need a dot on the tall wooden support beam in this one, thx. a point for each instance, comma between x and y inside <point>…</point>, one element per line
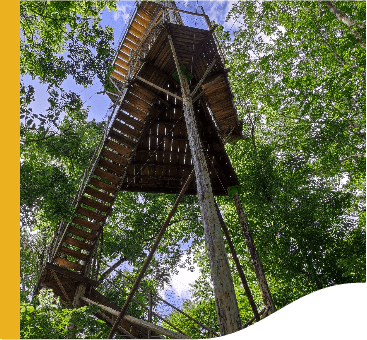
<point>225,298</point>
<point>149,258</point>
<point>238,265</point>
<point>259,271</point>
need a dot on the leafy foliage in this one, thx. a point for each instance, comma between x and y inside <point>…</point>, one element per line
<point>46,319</point>
<point>49,30</point>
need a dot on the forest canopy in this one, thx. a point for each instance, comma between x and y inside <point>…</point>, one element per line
<point>297,73</point>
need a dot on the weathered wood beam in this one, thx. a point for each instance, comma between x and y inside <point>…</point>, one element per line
<point>159,88</point>
<point>140,323</point>
<point>227,309</point>
<point>182,11</point>
<point>119,328</point>
<point>77,277</point>
<point>212,83</point>
<point>255,259</point>
<point>238,265</point>
<point>61,286</point>
<point>150,256</point>
<point>203,77</point>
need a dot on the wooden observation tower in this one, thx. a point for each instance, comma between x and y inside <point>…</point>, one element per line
<point>174,112</point>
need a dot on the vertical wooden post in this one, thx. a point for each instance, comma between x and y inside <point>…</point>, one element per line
<point>259,271</point>
<point>225,298</point>
<point>238,265</point>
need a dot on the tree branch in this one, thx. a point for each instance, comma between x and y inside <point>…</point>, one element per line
<point>346,20</point>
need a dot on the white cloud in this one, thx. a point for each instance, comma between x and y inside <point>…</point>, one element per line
<point>180,284</point>
<point>121,12</point>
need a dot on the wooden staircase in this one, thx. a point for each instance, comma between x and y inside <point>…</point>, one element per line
<point>146,123</point>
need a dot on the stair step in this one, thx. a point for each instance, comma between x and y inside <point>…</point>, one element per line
<point>123,150</point>
<point>138,27</point>
<point>118,76</point>
<point>85,223</point>
<point>137,124</point>
<point>107,176</point>
<point>143,93</point>
<point>137,102</point>
<point>126,129</point>
<point>136,32</point>
<point>89,213</point>
<point>135,112</point>
<point>68,264</point>
<point>109,165</point>
<point>94,204</point>
<point>132,38</point>
<point>120,69</point>
<point>114,157</point>
<point>141,20</point>
<point>73,253</point>
<point>82,233</point>
<point>98,194</point>
<point>77,243</point>
<point>102,185</point>
<point>122,139</point>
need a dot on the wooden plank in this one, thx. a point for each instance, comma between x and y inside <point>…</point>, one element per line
<point>85,223</point>
<point>111,166</point>
<point>94,204</point>
<point>98,194</point>
<point>114,157</point>
<point>136,101</point>
<point>89,213</point>
<point>136,32</point>
<point>143,92</point>
<point>130,120</point>
<point>107,176</point>
<point>126,129</point>
<point>82,233</point>
<point>68,264</point>
<point>74,276</point>
<point>73,253</point>
<point>125,50</point>
<point>118,76</point>
<point>139,18</point>
<point>119,148</point>
<point>77,243</point>
<point>130,44</point>
<point>134,111</point>
<point>132,38</point>
<point>102,185</point>
<point>121,70</point>
<point>144,15</point>
<point>138,27</point>
<point>124,56</point>
<point>122,139</point>
<point>122,63</point>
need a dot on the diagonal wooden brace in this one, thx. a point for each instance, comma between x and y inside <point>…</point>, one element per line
<point>204,76</point>
<point>159,88</point>
<point>150,256</point>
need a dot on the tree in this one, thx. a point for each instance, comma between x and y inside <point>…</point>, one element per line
<point>49,30</point>
<point>298,79</point>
